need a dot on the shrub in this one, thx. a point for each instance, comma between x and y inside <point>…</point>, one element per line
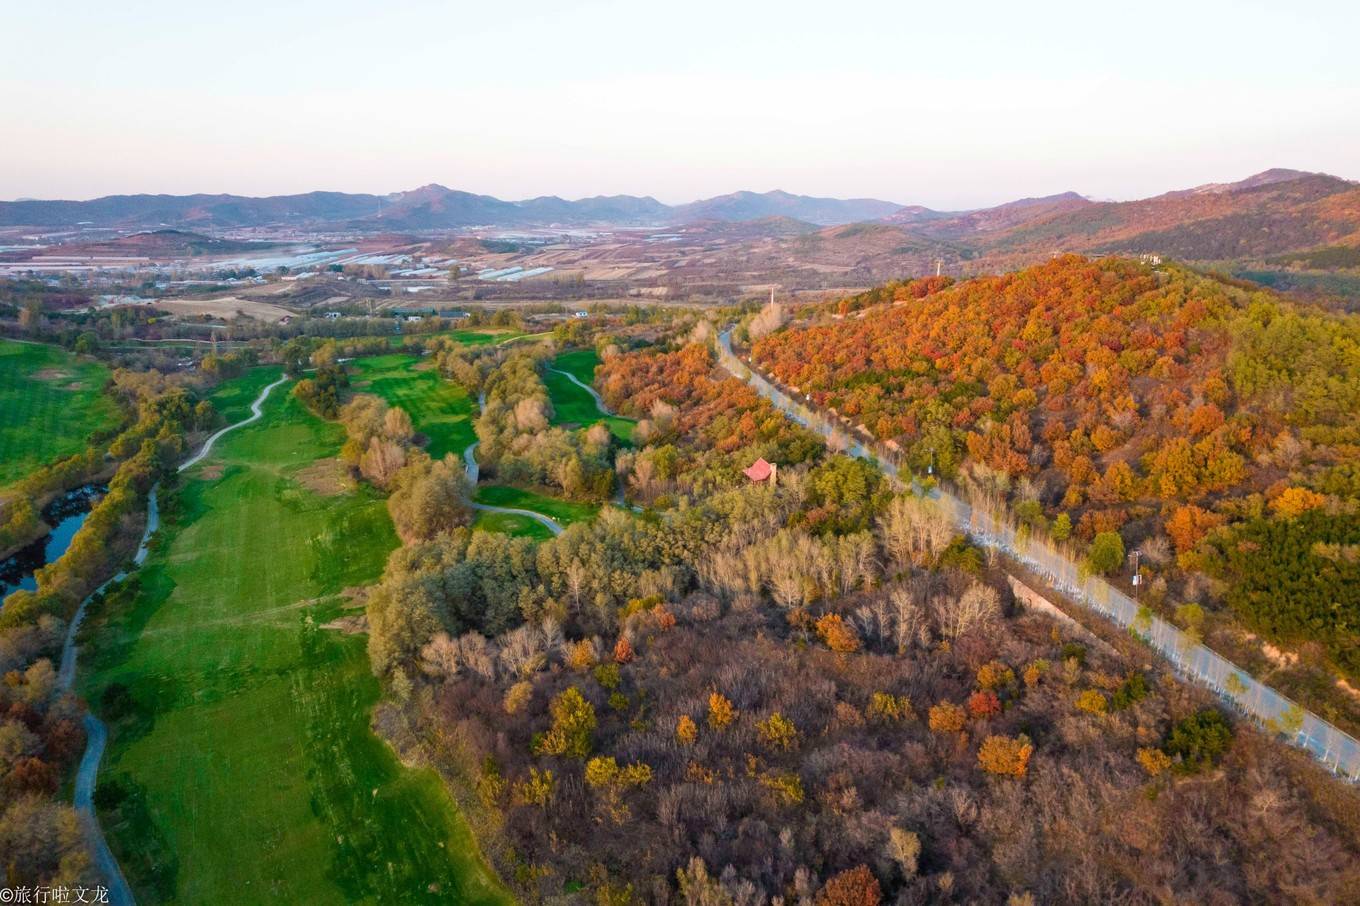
<point>604,771</point>
<point>664,618</point>
<point>946,717</point>
<point>1106,554</point>
<point>778,732</point>
<point>608,676</point>
<point>1198,741</point>
<point>720,711</point>
<point>517,696</point>
<point>1034,670</point>
<point>837,635</point>
<point>884,706</point>
<point>686,731</point>
<point>1093,702</point>
<point>1005,755</point>
<point>1073,651</point>
<point>1133,690</point>
<point>854,887</point>
<point>1154,761</point>
<point>784,784</point>
<point>573,726</point>
<point>995,675</point>
<point>984,704</point>
<point>536,789</point>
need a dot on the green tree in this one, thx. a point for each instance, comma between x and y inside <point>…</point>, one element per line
<point>572,733</point>
<point>1106,554</point>
<point>1199,741</point>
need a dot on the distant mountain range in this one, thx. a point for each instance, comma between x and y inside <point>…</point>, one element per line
<point>1271,213</point>
<point>431,207</point>
<point>1267,214</point>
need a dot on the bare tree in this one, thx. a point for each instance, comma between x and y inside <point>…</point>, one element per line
<point>978,608</point>
<point>577,576</point>
<point>524,652</point>
<point>914,530</point>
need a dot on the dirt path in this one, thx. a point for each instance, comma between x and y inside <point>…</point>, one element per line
<point>96,734</point>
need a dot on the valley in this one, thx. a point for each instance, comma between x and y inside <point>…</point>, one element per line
<point>501,582</point>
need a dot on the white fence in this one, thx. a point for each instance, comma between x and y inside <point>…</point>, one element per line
<point>1336,749</point>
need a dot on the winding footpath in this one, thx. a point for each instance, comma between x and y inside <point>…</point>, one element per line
<point>256,410</point>
<point>96,734</point>
<point>1276,712</point>
<point>599,400</point>
<point>619,496</point>
<point>474,471</point>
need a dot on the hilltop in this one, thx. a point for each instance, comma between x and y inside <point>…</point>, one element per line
<point>1211,427</point>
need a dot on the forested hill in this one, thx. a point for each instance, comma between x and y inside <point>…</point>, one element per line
<point>1216,427</point>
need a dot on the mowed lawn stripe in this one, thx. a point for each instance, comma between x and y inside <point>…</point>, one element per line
<point>564,511</point>
<point>248,745</point>
<point>574,406</point>
<point>50,402</point>
<point>441,410</point>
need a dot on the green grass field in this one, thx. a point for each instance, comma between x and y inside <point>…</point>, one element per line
<point>564,511</point>
<point>232,398</point>
<point>441,410</point>
<point>580,362</point>
<point>50,402</point>
<point>511,524</point>
<point>242,768</point>
<point>480,337</point>
<point>574,406</point>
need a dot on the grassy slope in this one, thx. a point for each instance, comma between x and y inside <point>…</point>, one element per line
<point>248,748</point>
<point>43,418</point>
<point>511,524</point>
<point>580,362</point>
<point>564,511</point>
<point>232,398</point>
<point>574,406</point>
<point>440,409</point>
<point>465,337</point>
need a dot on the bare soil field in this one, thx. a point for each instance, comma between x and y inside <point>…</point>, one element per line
<point>226,307</point>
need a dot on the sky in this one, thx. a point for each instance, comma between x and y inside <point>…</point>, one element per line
<point>950,105</point>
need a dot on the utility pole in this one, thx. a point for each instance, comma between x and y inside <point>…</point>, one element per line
<point>1137,577</point>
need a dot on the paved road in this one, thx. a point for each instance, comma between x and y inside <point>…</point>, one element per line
<point>599,400</point>
<point>255,412</point>
<point>473,470</point>
<point>1198,663</point>
<point>120,894</point>
<point>96,734</point>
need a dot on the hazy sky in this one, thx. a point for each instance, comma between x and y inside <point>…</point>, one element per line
<point>945,104</point>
